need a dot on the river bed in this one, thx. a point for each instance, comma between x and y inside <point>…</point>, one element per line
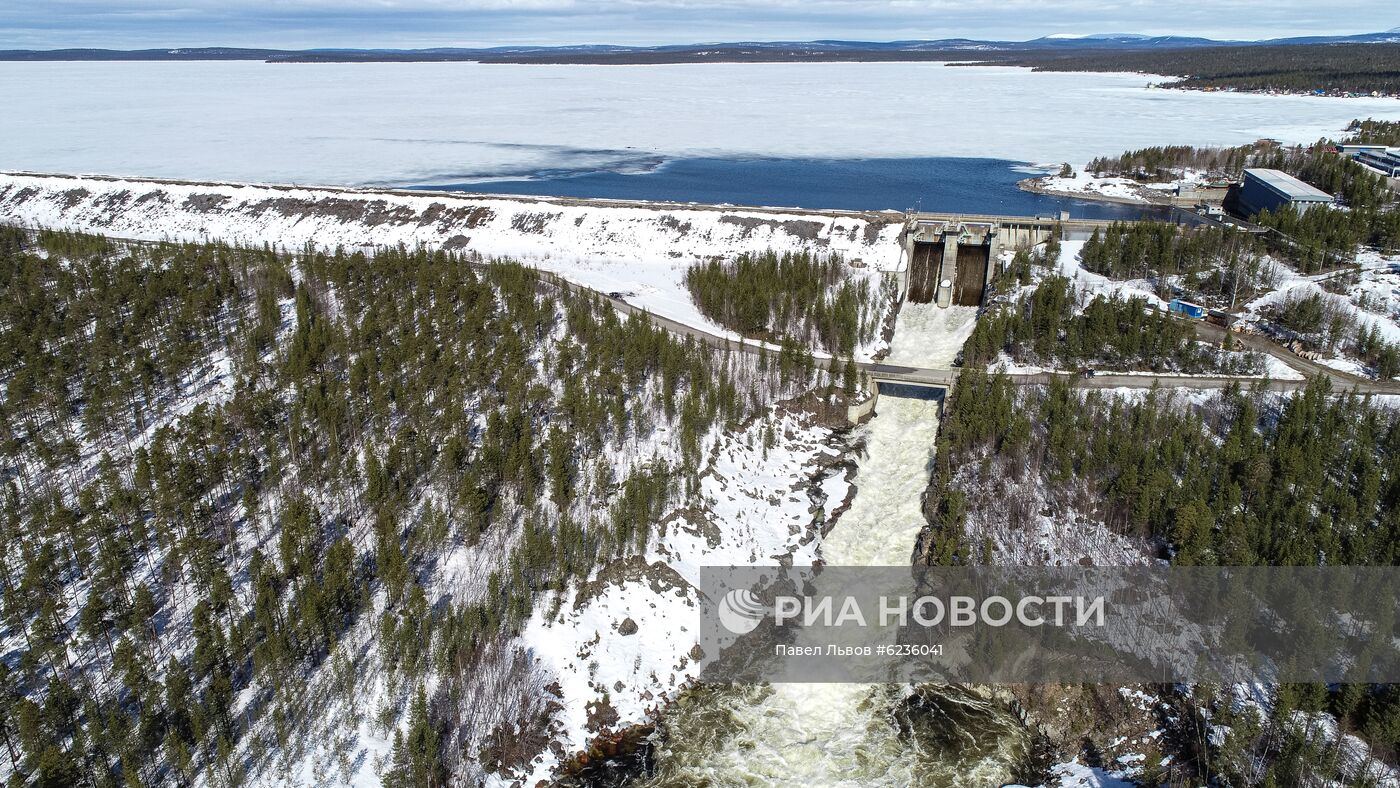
<point>853,734</point>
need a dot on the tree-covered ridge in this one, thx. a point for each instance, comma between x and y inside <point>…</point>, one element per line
<point>811,298</point>
<point>1245,478</point>
<point>1374,132</point>
<point>1218,266</point>
<point>220,463</point>
<point>1055,327</point>
<point>1165,162</point>
<point>1335,69</point>
<point>1248,479</point>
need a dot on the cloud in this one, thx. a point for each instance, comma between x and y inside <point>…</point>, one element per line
<point>418,23</point>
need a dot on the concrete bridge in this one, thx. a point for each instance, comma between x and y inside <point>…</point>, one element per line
<point>899,380</point>
<point>928,383</point>
<point>933,382</point>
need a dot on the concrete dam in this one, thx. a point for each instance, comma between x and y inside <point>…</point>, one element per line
<point>951,258</point>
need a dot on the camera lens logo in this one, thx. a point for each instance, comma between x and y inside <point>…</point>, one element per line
<point>740,611</point>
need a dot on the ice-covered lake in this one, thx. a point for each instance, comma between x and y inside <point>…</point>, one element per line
<point>435,123</point>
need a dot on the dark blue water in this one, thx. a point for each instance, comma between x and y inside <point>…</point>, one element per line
<point>942,185</point>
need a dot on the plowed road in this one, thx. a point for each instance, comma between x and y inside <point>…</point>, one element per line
<point>929,376</point>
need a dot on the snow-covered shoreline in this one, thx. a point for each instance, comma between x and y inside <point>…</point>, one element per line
<point>1085,186</point>
<point>640,250</point>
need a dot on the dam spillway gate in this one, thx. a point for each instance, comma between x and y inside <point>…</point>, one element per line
<point>973,273</point>
<point>925,264</point>
<point>949,261</point>
<point>951,257</point>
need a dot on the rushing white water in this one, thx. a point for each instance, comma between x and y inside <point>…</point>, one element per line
<point>880,527</point>
<point>853,734</point>
<point>931,336</point>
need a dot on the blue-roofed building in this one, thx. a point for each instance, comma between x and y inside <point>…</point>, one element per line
<point>1353,148</point>
<point>1186,308</point>
<point>1270,190</point>
<point>1386,162</point>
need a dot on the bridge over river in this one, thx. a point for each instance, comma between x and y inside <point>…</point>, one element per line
<point>938,381</point>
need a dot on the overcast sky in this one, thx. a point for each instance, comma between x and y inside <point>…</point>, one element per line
<point>44,24</point>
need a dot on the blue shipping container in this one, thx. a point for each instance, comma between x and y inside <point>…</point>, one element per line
<point>1187,308</point>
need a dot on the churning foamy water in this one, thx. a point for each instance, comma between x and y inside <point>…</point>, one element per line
<point>853,734</point>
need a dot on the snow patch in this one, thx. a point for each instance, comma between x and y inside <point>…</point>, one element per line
<point>637,250</point>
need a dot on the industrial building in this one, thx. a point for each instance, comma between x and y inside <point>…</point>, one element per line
<point>1270,190</point>
<point>1186,309</point>
<point>1386,162</point>
<point>1352,148</point>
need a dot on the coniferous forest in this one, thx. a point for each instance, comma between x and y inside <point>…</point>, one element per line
<point>1050,327</point>
<point>1040,318</point>
<point>812,299</point>
<point>1217,266</point>
<point>1322,239</point>
<point>1245,478</point>
<point>220,464</point>
<point>1334,69</point>
<point>230,475</point>
<point>1316,240</point>
<point>1240,477</point>
<point>1165,162</point>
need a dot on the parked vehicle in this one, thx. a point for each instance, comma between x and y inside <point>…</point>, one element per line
<point>1221,318</point>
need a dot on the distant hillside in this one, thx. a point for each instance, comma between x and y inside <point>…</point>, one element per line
<point>197,53</point>
<point>1336,65</point>
<point>1326,68</point>
<point>734,51</point>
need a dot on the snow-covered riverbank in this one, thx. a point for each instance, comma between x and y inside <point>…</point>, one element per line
<point>640,251</point>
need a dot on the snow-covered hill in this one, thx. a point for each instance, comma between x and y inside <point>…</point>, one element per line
<point>684,455</point>
<point>641,250</point>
